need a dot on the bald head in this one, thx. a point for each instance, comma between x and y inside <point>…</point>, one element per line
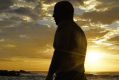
<point>63,10</point>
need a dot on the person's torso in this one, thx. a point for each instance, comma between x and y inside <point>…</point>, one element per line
<point>70,45</point>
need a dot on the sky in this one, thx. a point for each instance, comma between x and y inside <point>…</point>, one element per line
<point>27,31</point>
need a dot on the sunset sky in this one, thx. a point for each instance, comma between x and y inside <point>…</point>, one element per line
<point>27,32</point>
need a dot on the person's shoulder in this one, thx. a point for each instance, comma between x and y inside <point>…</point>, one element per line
<point>76,27</point>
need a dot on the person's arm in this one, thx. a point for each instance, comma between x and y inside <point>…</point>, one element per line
<point>58,45</point>
<point>52,68</point>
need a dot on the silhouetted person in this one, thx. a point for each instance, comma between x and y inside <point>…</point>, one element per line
<point>70,46</point>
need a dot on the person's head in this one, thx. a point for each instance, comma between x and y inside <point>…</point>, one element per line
<point>63,10</point>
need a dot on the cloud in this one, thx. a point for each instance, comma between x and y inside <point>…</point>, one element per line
<point>98,10</point>
<point>89,5</point>
<point>111,45</point>
<point>2,40</point>
<point>27,50</point>
<point>23,10</point>
<point>28,25</point>
<point>6,59</point>
<point>31,0</point>
<point>107,4</point>
<point>29,41</point>
<point>25,3</point>
<point>114,39</point>
<point>99,5</point>
<point>10,20</point>
<point>47,21</point>
<point>73,1</point>
<point>5,4</point>
<point>9,46</point>
<point>99,17</point>
<point>23,36</point>
<point>20,13</point>
<point>95,33</point>
<point>113,32</point>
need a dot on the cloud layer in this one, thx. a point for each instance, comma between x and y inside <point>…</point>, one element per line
<point>27,27</point>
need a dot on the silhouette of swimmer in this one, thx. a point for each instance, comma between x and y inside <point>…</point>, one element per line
<point>70,46</point>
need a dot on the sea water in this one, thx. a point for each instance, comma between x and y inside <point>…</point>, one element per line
<point>43,76</point>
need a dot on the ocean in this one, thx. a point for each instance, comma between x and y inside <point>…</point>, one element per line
<point>42,76</point>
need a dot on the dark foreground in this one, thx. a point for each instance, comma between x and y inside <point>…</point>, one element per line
<point>42,76</point>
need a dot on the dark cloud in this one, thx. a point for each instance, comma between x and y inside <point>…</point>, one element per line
<point>26,11</point>
<point>106,17</point>
<point>30,0</point>
<point>95,33</point>
<point>10,22</point>
<point>114,39</point>
<point>23,10</point>
<point>5,4</point>
<point>17,12</point>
